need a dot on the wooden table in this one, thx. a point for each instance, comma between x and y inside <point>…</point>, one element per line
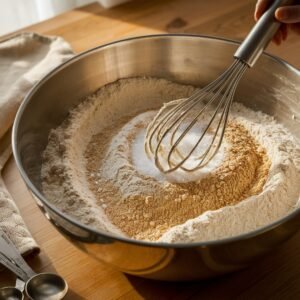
<point>275,277</point>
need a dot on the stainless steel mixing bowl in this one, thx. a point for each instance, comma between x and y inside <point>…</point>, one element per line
<point>272,86</point>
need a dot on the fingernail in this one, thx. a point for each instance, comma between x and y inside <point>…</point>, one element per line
<point>281,14</point>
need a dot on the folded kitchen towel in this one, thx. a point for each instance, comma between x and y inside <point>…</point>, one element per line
<point>24,59</point>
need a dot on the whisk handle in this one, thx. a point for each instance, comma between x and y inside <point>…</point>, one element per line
<point>260,35</point>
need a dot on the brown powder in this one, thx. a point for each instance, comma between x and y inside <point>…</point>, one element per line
<point>144,208</point>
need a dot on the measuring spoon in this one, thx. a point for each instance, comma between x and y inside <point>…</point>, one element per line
<point>10,292</point>
<point>13,293</point>
<point>42,286</point>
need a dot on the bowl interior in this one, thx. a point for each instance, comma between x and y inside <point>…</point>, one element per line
<point>272,86</point>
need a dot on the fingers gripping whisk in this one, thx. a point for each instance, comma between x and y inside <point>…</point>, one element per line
<point>187,133</point>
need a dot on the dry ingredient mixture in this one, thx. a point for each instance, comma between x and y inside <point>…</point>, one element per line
<point>95,169</point>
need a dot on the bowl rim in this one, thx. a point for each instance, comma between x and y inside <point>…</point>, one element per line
<point>108,236</point>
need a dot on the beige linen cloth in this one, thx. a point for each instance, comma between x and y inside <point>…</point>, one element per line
<point>24,60</point>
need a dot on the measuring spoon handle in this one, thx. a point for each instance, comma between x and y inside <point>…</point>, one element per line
<point>11,252</point>
<point>6,262</point>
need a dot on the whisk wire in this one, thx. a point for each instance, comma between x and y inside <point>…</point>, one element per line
<point>194,99</point>
<point>173,166</point>
<point>163,132</point>
<point>172,112</point>
<point>205,158</point>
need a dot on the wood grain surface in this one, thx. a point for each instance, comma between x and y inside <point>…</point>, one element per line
<point>274,277</point>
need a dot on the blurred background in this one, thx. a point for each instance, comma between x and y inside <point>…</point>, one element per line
<point>15,14</point>
<point>88,23</point>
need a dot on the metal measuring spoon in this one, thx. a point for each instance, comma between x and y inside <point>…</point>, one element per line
<point>10,292</point>
<point>42,286</point>
<point>13,293</point>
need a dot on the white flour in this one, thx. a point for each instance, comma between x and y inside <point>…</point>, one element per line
<point>64,169</point>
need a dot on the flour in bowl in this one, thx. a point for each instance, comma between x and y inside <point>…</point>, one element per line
<point>95,169</point>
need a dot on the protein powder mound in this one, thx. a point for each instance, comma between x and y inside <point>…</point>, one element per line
<point>90,170</point>
<point>143,206</point>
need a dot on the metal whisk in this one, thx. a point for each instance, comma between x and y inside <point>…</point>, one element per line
<point>187,133</point>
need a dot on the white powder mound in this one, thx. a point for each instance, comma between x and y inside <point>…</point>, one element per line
<point>146,166</point>
<point>64,166</point>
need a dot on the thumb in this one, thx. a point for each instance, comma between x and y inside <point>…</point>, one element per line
<point>288,14</point>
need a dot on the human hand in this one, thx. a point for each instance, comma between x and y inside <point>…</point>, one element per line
<point>289,16</point>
